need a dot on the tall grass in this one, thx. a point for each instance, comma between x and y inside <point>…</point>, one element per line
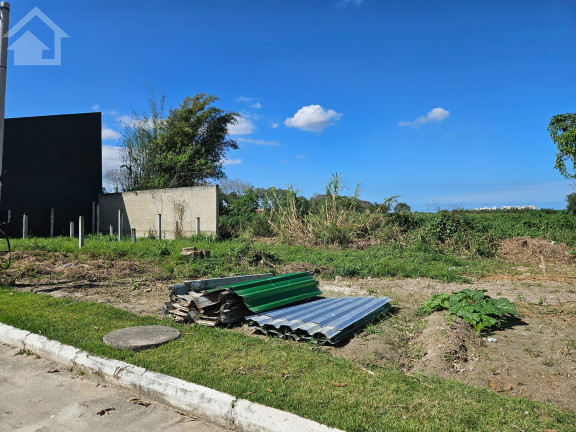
<point>331,219</point>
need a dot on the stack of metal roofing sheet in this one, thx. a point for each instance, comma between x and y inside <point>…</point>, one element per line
<point>245,298</point>
<point>212,304</point>
<point>329,320</point>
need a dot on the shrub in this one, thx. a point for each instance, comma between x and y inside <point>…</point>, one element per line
<point>473,306</point>
<point>571,199</point>
<point>446,226</point>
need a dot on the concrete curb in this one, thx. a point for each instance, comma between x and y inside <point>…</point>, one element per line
<point>214,406</point>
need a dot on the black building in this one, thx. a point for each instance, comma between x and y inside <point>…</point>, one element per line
<point>51,162</point>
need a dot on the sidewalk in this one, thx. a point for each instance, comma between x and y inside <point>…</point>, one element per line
<point>32,399</point>
<point>198,401</point>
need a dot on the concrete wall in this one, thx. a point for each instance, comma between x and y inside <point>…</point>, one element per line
<point>51,162</point>
<point>179,207</point>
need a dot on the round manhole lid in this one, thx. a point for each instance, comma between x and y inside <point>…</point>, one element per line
<point>137,338</point>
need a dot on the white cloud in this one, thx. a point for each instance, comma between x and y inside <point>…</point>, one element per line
<point>258,142</point>
<point>227,162</point>
<point>243,126</point>
<point>126,119</point>
<point>274,125</point>
<point>109,134</point>
<point>110,157</point>
<point>312,118</point>
<point>112,112</point>
<point>95,107</point>
<point>301,156</point>
<point>435,115</point>
<point>249,100</point>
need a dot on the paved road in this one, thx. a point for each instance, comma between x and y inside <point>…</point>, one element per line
<point>34,400</point>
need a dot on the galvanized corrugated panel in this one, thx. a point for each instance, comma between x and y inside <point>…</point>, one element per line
<point>266,294</point>
<point>328,320</point>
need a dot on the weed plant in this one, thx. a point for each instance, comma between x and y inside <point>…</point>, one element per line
<point>476,308</point>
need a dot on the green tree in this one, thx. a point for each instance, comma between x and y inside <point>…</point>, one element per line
<point>562,128</point>
<point>402,208</point>
<point>184,148</point>
<point>139,142</point>
<point>571,207</point>
<point>233,185</point>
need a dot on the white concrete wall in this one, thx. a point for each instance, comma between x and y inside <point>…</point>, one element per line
<point>179,207</point>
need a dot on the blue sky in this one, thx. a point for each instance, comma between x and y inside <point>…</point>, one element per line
<point>443,103</point>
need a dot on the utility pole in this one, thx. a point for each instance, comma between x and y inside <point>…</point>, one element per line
<point>4,27</point>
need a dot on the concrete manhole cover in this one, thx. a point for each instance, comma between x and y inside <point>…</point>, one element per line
<point>137,338</point>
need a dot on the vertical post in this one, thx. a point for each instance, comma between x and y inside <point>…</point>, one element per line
<point>51,222</point>
<point>111,229</point>
<point>81,232</point>
<point>120,227</point>
<point>93,217</point>
<point>133,235</point>
<point>4,26</point>
<point>159,227</point>
<point>97,218</point>
<point>197,225</point>
<point>71,229</point>
<point>25,226</point>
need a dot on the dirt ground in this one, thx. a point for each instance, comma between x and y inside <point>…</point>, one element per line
<point>532,356</point>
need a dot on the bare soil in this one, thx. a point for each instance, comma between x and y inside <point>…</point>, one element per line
<point>525,250</point>
<point>533,356</point>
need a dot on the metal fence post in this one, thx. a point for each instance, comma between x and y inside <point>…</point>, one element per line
<point>93,217</point>
<point>71,229</point>
<point>97,218</point>
<point>197,225</point>
<point>133,232</point>
<point>120,227</point>
<point>81,232</point>
<point>159,227</point>
<point>25,226</point>
<point>51,222</point>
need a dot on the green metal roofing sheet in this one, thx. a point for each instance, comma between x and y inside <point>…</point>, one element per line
<point>271,293</point>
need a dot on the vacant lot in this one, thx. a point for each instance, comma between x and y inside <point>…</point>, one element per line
<point>533,356</point>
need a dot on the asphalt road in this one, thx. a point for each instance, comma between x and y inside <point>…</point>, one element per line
<point>40,396</point>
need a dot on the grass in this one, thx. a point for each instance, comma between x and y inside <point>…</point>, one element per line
<point>294,377</point>
<point>239,256</point>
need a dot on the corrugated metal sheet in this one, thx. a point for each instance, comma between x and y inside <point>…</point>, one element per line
<point>271,293</point>
<point>217,304</point>
<point>328,320</point>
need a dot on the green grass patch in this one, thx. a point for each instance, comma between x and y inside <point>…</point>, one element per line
<point>295,377</point>
<point>238,256</point>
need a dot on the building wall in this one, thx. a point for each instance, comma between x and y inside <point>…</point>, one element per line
<point>51,162</point>
<point>179,207</point>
